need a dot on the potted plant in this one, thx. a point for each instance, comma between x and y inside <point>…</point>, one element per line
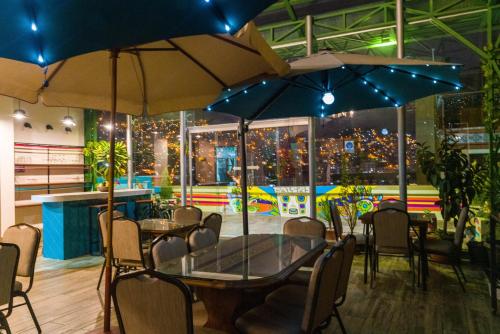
<point>457,179</point>
<point>97,154</point>
<point>324,213</point>
<point>352,194</point>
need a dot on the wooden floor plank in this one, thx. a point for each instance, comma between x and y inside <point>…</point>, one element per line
<point>66,301</point>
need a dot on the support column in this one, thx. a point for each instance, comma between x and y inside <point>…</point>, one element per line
<point>311,133</point>
<point>401,112</point>
<point>183,157</point>
<point>7,188</point>
<point>130,154</point>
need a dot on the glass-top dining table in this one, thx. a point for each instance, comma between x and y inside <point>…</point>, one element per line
<point>224,273</point>
<point>160,226</point>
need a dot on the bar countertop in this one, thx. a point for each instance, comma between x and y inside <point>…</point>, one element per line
<point>90,195</point>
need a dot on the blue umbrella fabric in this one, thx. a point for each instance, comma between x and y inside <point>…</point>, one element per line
<point>328,83</point>
<point>46,31</point>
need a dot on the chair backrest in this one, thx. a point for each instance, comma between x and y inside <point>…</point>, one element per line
<point>127,243</point>
<point>153,303</point>
<point>391,230</point>
<point>213,222</point>
<point>9,257</point>
<point>103,221</point>
<point>167,247</point>
<point>27,238</point>
<point>336,220</point>
<point>322,287</point>
<point>200,237</point>
<point>187,213</point>
<point>460,228</point>
<point>349,246</point>
<point>304,226</point>
<point>392,204</point>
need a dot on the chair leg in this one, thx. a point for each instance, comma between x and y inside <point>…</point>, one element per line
<point>101,274</point>
<point>4,324</point>
<point>337,315</point>
<point>461,272</point>
<point>32,312</point>
<point>372,267</point>
<point>458,277</point>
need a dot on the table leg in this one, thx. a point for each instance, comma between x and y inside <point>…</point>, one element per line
<point>424,270</point>
<point>367,239</point>
<point>221,306</point>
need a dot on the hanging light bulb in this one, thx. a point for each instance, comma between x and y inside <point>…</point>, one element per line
<point>328,98</point>
<point>108,126</point>
<point>19,113</point>
<point>68,120</point>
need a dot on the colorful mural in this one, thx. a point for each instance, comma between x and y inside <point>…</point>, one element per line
<point>293,201</point>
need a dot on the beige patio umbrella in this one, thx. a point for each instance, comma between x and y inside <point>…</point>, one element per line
<point>170,75</point>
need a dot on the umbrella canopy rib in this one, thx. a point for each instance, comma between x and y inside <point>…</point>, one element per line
<point>200,65</point>
<point>241,46</point>
<point>144,81</point>
<point>271,101</point>
<point>46,82</point>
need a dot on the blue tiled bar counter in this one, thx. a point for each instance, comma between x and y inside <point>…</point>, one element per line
<point>66,224</point>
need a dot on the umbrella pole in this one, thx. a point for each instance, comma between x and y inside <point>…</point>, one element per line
<point>243,179</point>
<point>111,177</point>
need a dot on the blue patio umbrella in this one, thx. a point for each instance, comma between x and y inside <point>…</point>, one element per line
<point>328,83</point>
<point>45,32</point>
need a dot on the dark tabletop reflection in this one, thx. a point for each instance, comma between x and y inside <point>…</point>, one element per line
<point>243,258</point>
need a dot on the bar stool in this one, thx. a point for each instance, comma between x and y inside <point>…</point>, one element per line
<point>143,209</point>
<point>99,207</point>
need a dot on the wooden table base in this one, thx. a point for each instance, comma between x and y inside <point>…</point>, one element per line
<point>224,306</point>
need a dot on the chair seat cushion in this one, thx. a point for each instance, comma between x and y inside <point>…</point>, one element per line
<point>300,277</point>
<point>267,319</point>
<point>291,295</point>
<point>436,246</point>
<point>18,286</point>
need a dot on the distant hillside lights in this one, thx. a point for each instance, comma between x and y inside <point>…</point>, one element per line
<point>343,114</point>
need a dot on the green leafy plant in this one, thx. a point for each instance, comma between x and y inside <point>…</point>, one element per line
<point>97,154</point>
<point>449,170</point>
<point>324,211</point>
<point>491,116</point>
<point>166,189</point>
<point>90,160</point>
<point>352,192</point>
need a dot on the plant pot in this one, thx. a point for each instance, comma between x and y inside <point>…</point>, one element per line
<point>330,234</point>
<point>478,253</point>
<point>103,189</point>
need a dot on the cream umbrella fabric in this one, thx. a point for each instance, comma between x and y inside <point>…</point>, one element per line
<point>171,75</point>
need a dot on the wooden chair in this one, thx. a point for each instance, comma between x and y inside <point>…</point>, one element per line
<point>128,253</point>
<point>392,204</point>
<point>213,222</point>
<point>450,249</point>
<point>166,247</point>
<point>187,213</point>
<point>200,237</point>
<point>391,236</point>
<point>9,258</point>
<point>305,226</point>
<point>153,303</point>
<point>296,295</point>
<point>103,233</point>
<point>308,314</point>
<point>27,238</point>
